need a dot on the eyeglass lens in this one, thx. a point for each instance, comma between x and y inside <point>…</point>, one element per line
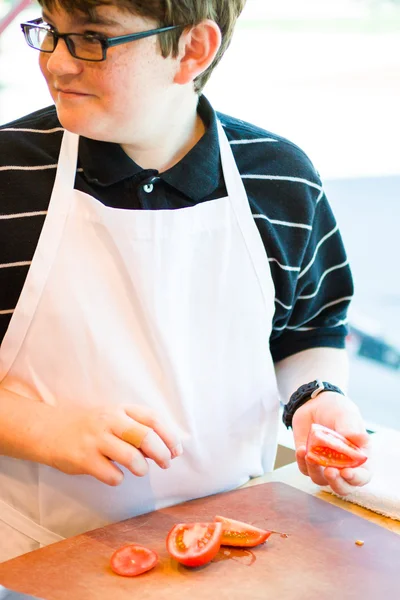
<point>80,46</point>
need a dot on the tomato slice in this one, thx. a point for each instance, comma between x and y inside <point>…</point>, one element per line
<point>133,559</point>
<point>328,448</point>
<point>238,533</point>
<point>194,544</point>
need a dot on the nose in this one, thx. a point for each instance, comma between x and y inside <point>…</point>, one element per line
<point>61,62</point>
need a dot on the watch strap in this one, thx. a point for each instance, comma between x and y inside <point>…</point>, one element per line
<point>303,394</point>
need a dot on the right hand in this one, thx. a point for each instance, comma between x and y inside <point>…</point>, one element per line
<point>82,441</point>
<point>339,413</point>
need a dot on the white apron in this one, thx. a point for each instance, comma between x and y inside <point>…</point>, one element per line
<point>171,309</point>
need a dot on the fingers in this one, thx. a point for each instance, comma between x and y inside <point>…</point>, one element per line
<point>345,481</point>
<point>342,481</point>
<point>153,447</point>
<point>124,454</point>
<point>105,471</point>
<point>315,472</point>
<point>165,432</point>
<point>143,436</point>
<point>91,440</point>
<point>135,434</point>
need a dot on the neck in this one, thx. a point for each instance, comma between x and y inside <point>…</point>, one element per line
<point>167,140</point>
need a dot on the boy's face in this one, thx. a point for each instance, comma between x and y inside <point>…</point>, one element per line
<point>122,99</point>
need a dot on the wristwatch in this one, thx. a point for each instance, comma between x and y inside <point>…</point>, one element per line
<point>304,393</point>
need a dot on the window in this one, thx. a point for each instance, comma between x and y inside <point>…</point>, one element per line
<point>326,75</point>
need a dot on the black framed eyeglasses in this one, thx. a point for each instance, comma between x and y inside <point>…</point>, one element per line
<point>84,46</point>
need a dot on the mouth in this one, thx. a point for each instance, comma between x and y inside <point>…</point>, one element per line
<point>70,92</point>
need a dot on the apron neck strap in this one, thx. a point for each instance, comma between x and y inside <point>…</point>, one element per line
<point>68,159</point>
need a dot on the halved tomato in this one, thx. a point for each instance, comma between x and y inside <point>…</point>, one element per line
<point>133,559</point>
<point>194,544</point>
<point>238,533</point>
<point>328,448</point>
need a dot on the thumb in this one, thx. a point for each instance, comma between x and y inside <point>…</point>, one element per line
<point>358,439</point>
<point>353,428</point>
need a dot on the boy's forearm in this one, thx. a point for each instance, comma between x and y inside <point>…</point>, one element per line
<point>23,424</point>
<point>327,364</point>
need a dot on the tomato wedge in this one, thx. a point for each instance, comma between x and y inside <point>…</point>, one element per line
<point>328,448</point>
<point>133,559</point>
<point>194,544</point>
<point>238,533</point>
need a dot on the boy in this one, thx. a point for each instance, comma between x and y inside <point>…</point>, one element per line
<point>165,271</point>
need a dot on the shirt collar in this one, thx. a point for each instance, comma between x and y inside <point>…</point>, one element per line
<point>196,175</point>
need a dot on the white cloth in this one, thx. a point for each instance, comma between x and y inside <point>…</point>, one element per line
<point>172,309</point>
<point>382,493</point>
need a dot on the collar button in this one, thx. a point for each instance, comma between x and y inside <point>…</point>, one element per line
<point>148,188</point>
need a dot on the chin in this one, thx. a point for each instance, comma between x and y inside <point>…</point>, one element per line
<point>82,124</point>
<point>72,120</point>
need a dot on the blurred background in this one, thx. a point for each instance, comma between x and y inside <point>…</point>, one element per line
<point>326,75</point>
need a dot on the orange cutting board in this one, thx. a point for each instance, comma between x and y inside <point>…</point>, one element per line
<point>319,559</point>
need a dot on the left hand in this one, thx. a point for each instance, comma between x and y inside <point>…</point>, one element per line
<point>340,414</point>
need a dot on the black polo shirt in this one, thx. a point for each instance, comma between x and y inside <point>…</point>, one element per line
<point>313,283</point>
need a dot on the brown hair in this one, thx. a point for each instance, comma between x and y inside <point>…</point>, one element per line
<point>170,12</point>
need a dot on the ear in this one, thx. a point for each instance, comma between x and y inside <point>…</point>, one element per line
<point>198,47</point>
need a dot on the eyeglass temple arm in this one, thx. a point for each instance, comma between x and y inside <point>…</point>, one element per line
<point>138,36</point>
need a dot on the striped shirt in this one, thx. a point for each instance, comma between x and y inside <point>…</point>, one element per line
<point>310,271</point>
